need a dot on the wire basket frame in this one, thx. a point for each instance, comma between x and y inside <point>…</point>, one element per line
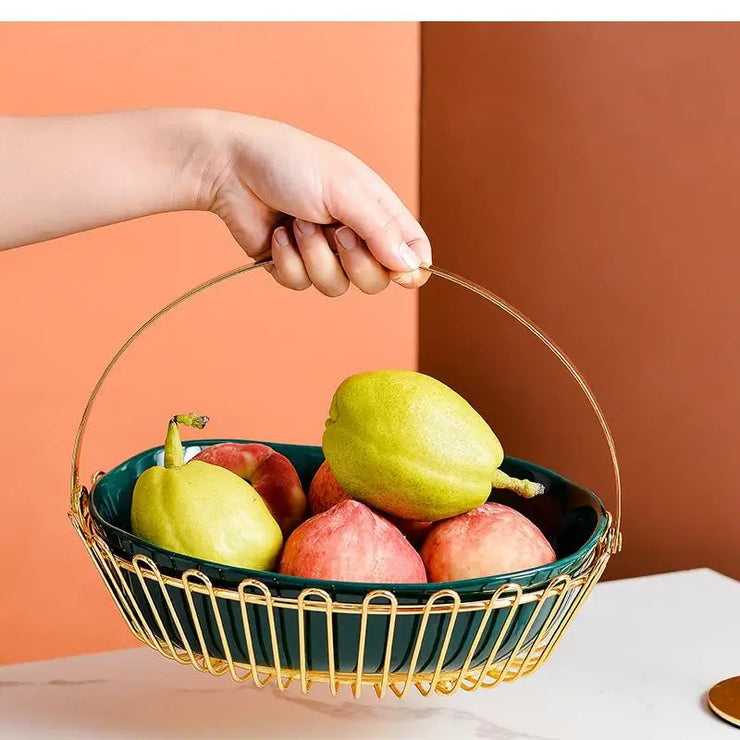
<point>144,596</point>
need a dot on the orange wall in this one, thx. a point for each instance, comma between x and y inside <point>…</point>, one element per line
<point>590,173</point>
<point>260,360</point>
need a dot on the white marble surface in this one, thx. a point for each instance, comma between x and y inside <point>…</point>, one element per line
<point>635,664</point>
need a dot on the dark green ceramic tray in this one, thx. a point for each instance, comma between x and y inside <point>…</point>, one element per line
<point>572,518</point>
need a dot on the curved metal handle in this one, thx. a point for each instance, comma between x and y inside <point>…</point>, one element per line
<point>616,543</point>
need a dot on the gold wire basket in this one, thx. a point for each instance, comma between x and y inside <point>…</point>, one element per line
<point>268,628</point>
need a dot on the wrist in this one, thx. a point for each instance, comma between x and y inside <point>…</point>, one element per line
<point>206,151</point>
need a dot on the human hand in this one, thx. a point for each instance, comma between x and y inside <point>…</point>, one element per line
<point>326,217</point>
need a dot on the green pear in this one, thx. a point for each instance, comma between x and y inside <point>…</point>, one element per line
<point>407,444</point>
<point>203,510</point>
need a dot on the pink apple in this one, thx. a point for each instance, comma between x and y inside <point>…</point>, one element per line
<point>415,532</point>
<point>271,474</point>
<point>487,541</point>
<point>325,492</point>
<point>350,542</point>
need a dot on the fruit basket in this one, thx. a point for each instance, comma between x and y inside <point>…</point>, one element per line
<point>269,627</point>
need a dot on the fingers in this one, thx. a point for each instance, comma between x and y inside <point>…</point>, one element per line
<point>287,268</point>
<point>322,266</point>
<point>303,256</point>
<point>332,273</point>
<point>354,204</point>
<point>419,242</point>
<point>411,232</point>
<point>361,267</point>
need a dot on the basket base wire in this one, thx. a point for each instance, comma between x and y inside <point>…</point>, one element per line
<point>532,649</point>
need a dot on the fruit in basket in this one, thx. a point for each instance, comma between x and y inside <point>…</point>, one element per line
<point>487,541</point>
<point>271,474</point>
<point>408,445</point>
<point>350,542</point>
<point>326,492</point>
<point>415,532</point>
<point>203,510</point>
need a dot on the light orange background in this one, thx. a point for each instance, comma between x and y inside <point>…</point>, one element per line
<point>262,361</point>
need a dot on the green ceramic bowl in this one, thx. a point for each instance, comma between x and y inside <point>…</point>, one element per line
<point>572,518</point>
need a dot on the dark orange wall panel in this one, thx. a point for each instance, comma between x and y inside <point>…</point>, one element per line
<point>590,173</point>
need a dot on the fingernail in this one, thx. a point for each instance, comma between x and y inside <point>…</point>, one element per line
<point>405,278</point>
<point>305,227</point>
<point>281,237</point>
<point>410,257</point>
<point>346,238</point>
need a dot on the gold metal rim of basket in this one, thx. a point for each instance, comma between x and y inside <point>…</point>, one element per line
<point>531,650</point>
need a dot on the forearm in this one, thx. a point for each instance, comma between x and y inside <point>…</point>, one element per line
<point>60,175</point>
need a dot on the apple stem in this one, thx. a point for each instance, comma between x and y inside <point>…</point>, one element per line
<point>525,488</point>
<point>174,454</point>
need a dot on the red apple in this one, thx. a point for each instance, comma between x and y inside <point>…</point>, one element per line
<point>350,542</point>
<point>326,492</point>
<point>415,532</point>
<point>486,541</point>
<point>271,474</point>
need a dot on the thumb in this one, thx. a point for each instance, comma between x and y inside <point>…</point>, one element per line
<point>359,209</point>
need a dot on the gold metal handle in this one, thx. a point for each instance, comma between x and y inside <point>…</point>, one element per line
<point>616,541</point>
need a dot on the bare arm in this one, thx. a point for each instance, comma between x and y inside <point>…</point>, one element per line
<point>276,187</point>
<point>60,175</point>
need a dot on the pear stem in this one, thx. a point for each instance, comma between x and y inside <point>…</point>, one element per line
<point>174,454</point>
<point>525,488</point>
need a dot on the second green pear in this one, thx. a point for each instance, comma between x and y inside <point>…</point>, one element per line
<point>203,510</point>
<point>407,444</point>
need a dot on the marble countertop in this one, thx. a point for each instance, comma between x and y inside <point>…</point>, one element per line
<point>635,664</point>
